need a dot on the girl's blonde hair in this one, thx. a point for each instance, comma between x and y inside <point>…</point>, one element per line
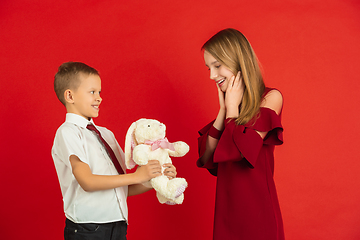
<point>231,48</point>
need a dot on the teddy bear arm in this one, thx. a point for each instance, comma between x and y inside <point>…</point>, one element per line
<point>181,148</point>
<point>141,154</point>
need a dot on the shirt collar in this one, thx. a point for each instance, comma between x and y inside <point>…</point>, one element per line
<point>78,120</point>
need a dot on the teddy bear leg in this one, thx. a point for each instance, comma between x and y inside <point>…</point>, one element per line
<point>177,186</point>
<point>170,189</point>
<point>180,191</point>
<point>179,200</point>
<point>160,185</point>
<point>163,199</point>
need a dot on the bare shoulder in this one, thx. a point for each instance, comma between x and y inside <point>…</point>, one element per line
<point>273,100</point>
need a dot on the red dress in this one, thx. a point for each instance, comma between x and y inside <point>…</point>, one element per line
<point>246,205</point>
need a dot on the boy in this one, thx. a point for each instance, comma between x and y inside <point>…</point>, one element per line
<point>93,184</point>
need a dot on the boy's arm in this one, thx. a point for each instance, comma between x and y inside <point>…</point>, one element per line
<point>169,171</point>
<point>91,182</point>
<point>137,189</point>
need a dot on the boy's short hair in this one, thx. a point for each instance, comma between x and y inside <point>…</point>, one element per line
<point>67,77</point>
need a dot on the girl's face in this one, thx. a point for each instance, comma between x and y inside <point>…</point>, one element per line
<point>218,72</point>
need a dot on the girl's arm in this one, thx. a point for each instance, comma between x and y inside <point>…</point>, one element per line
<point>229,107</point>
<point>274,101</point>
<point>249,140</point>
<point>212,142</point>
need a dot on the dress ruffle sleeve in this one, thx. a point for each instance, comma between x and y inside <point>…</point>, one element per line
<point>246,142</point>
<point>268,121</point>
<point>209,165</point>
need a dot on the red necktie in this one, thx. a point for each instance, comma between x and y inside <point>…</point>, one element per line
<point>108,149</point>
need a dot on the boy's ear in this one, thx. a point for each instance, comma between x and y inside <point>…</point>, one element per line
<point>68,96</point>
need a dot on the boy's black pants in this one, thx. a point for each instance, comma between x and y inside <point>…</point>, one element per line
<point>95,231</point>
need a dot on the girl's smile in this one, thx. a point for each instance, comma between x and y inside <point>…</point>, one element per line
<point>218,72</point>
<point>220,82</point>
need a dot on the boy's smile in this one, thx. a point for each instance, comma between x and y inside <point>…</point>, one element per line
<point>86,98</point>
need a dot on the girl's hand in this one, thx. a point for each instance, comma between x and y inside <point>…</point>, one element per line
<point>233,96</point>
<point>219,121</point>
<point>221,98</point>
<point>170,170</point>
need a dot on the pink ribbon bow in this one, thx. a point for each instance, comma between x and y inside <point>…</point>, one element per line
<point>162,143</point>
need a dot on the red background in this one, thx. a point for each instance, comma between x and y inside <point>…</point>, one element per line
<point>148,54</point>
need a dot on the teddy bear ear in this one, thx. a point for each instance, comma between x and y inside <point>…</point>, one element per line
<point>130,143</point>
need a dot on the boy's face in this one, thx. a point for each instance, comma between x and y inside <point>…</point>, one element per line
<point>86,98</point>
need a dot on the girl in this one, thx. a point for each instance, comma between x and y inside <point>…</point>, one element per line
<point>238,146</point>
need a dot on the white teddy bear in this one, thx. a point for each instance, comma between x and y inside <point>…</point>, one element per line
<point>145,140</point>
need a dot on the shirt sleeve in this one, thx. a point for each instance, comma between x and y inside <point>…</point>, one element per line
<point>69,142</point>
<point>204,133</point>
<point>244,139</point>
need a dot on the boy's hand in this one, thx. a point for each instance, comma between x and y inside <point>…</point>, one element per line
<point>148,171</point>
<point>170,170</point>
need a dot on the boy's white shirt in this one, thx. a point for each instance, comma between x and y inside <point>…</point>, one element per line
<point>73,138</point>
